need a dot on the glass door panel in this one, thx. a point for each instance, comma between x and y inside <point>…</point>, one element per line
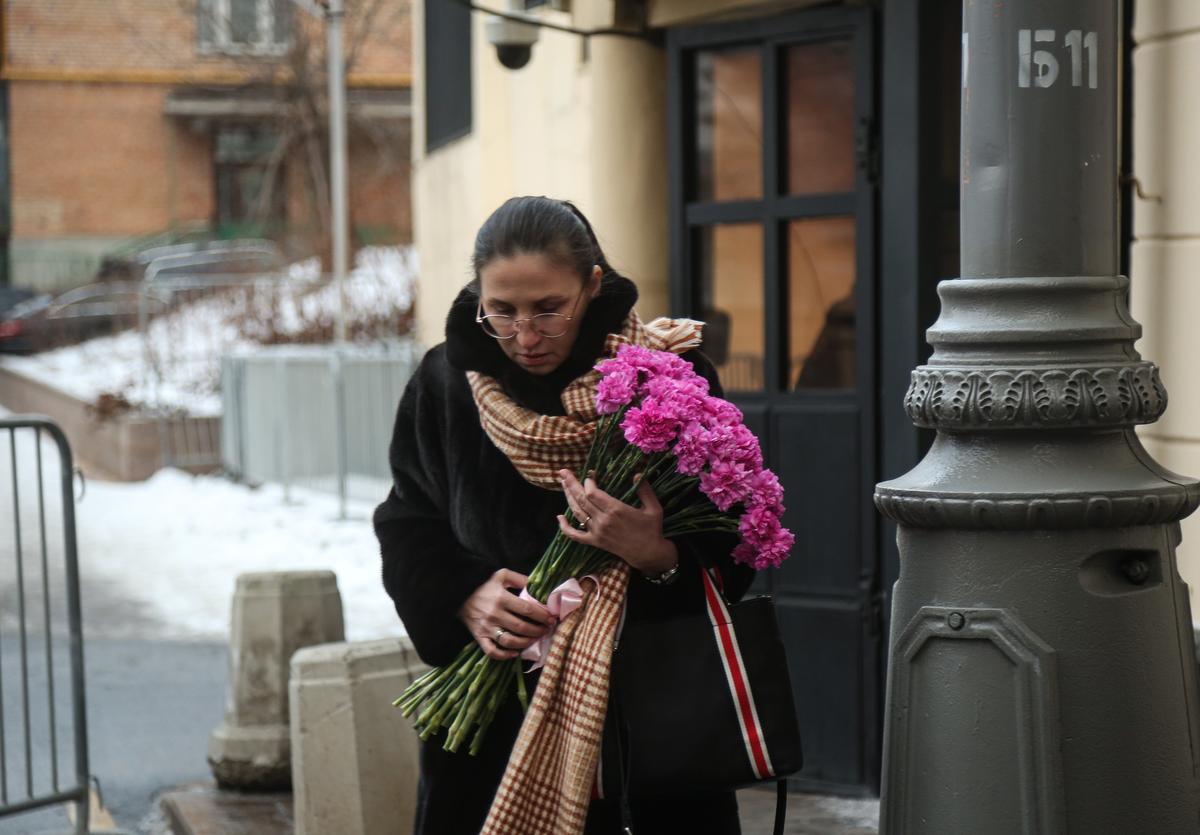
<point>730,265</point>
<point>820,117</point>
<point>729,119</point>
<point>821,320</point>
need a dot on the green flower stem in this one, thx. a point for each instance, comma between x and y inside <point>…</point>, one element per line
<point>435,713</point>
<point>462,717</point>
<point>464,696</point>
<point>522,691</point>
<point>475,702</point>
<point>429,683</point>
<point>493,706</point>
<point>606,426</point>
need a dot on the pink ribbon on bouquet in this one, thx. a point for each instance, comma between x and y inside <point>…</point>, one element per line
<point>564,600</point>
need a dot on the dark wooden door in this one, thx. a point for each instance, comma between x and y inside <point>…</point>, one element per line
<point>772,179</point>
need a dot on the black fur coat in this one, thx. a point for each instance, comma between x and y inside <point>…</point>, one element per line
<point>459,510</point>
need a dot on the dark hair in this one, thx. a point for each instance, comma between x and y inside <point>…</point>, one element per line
<point>544,226</point>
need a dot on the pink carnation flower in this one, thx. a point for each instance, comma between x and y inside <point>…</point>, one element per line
<point>681,397</point>
<point>670,404</point>
<point>638,358</point>
<point>726,483</point>
<point>744,447</point>
<point>734,443</point>
<point>766,492</point>
<point>649,427</point>
<point>675,367</point>
<point>720,412</point>
<point>776,551</point>
<point>691,451</point>
<point>616,388</point>
<point>765,542</point>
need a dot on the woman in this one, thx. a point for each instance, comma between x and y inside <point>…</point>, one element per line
<point>462,526</point>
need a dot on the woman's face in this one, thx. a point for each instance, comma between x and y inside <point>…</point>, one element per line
<point>525,285</point>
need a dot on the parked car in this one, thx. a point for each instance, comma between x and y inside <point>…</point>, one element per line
<point>220,262</point>
<point>159,280</point>
<point>11,296</point>
<point>45,322</point>
<point>15,331</point>
<point>193,258</point>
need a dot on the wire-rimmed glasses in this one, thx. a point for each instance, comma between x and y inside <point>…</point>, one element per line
<point>549,325</point>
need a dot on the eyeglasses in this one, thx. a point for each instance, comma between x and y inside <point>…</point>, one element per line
<point>550,325</point>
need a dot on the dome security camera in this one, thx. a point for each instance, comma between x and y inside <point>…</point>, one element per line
<point>513,40</point>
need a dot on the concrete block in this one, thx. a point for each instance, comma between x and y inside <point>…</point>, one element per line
<point>274,614</point>
<point>126,447</point>
<point>354,757</point>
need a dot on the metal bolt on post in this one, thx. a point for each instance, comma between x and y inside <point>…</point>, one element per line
<point>1041,675</point>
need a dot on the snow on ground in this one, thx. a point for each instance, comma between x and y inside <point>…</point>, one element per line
<point>177,542</point>
<point>160,558</point>
<point>176,366</point>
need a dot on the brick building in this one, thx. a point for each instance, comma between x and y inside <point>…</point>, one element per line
<point>133,120</point>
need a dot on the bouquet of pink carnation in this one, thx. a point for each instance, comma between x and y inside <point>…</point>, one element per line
<point>658,419</point>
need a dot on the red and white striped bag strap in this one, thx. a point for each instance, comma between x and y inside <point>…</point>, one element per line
<point>735,675</point>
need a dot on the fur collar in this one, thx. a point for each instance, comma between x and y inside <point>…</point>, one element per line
<point>468,348</point>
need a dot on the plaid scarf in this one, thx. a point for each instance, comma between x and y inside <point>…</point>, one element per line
<point>547,785</point>
<point>541,445</point>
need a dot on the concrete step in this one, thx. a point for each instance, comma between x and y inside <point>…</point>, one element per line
<point>203,809</point>
<point>808,814</point>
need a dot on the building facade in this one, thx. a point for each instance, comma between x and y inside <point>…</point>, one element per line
<point>1165,247</point>
<point>148,119</point>
<point>788,172</point>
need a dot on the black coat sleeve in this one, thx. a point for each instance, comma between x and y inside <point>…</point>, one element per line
<point>426,571</point>
<point>707,549</point>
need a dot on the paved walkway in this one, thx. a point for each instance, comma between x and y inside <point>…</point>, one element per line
<point>151,707</point>
<point>808,814</point>
<point>201,809</point>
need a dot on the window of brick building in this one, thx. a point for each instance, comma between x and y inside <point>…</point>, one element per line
<point>251,198</point>
<point>244,27</point>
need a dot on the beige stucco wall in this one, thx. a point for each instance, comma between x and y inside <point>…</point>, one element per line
<point>532,133</point>
<point>1165,265</point>
<point>583,121</point>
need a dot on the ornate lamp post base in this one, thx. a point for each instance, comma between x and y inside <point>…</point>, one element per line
<point>1041,678</point>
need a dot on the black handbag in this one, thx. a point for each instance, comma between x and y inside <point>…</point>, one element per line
<point>700,703</point>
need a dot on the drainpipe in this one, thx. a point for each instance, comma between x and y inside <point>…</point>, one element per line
<point>5,160</point>
<point>334,12</point>
<point>1041,675</point>
<point>5,185</point>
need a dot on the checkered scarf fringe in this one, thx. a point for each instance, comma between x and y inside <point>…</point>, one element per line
<point>541,445</point>
<point>547,785</point>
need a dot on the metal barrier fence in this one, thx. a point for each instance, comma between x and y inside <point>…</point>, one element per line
<point>314,416</point>
<point>37,630</point>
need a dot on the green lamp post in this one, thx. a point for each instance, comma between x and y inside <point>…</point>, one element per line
<point>1041,675</point>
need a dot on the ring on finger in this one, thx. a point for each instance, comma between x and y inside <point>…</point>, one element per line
<point>583,524</point>
<point>500,633</point>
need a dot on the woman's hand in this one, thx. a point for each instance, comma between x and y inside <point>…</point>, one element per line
<point>632,533</point>
<point>492,607</point>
